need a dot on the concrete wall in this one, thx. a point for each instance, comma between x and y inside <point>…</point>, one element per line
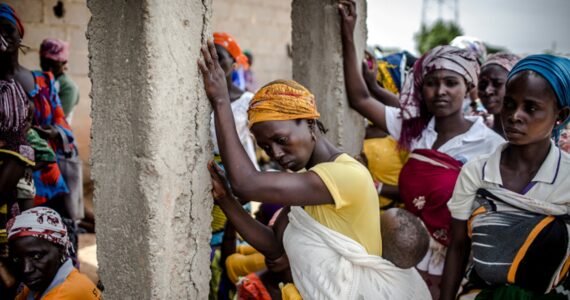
<point>40,22</point>
<point>261,26</point>
<point>264,28</point>
<point>317,64</point>
<point>150,147</point>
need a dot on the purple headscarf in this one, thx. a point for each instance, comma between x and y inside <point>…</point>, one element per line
<point>415,114</point>
<point>54,49</point>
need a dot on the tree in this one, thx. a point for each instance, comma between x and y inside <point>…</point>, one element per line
<point>440,33</point>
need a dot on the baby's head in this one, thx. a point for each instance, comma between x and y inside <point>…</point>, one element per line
<point>405,241</point>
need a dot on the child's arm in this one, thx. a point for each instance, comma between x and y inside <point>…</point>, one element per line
<point>456,260</point>
<point>259,236</point>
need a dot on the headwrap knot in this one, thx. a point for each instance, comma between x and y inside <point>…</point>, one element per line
<point>282,100</point>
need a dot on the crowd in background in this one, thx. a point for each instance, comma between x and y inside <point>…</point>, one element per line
<point>459,191</point>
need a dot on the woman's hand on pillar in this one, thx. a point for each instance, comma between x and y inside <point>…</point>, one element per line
<point>347,10</point>
<point>213,76</point>
<point>221,189</point>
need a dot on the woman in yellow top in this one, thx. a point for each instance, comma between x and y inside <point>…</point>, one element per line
<point>337,191</point>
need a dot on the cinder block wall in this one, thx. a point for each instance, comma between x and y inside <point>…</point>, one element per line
<point>40,22</point>
<point>264,28</point>
<point>261,26</point>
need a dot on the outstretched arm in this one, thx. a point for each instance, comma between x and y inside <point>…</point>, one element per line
<point>358,96</point>
<point>455,260</point>
<point>248,183</point>
<point>370,73</point>
<point>261,237</point>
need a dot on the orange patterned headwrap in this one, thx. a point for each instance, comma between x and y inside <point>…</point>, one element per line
<point>282,100</point>
<point>229,43</point>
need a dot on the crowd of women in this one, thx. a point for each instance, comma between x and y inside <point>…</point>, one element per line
<point>459,191</point>
<point>40,173</point>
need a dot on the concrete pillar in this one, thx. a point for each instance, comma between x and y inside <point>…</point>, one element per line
<point>150,147</point>
<point>317,64</point>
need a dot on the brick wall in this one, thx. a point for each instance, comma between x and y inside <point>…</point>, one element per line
<point>264,28</point>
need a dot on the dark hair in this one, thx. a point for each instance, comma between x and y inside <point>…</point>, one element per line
<point>223,50</point>
<point>312,123</point>
<point>406,242</point>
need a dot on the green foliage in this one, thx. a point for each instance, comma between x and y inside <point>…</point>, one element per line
<point>494,49</point>
<point>440,33</point>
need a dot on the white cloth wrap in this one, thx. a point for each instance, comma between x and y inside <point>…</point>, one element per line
<point>328,265</point>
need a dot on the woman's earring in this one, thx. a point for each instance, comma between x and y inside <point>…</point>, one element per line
<point>313,136</point>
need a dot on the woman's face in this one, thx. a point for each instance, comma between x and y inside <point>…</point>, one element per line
<point>225,59</point>
<point>36,261</point>
<point>443,92</point>
<point>530,109</point>
<point>10,34</point>
<point>492,87</point>
<point>290,142</point>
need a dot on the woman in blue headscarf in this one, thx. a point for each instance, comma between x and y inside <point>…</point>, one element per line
<point>511,207</point>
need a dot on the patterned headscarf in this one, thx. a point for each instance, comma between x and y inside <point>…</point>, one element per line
<point>14,111</point>
<point>229,43</point>
<point>556,70</point>
<point>55,49</point>
<point>503,59</point>
<point>40,222</point>
<point>471,44</point>
<point>7,12</point>
<point>415,114</point>
<point>282,100</point>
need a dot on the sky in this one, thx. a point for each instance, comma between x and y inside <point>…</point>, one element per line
<point>521,26</point>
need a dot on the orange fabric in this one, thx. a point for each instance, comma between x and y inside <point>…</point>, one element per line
<point>251,288</point>
<point>522,251</point>
<point>229,43</point>
<point>282,100</point>
<point>478,211</point>
<point>563,272</point>
<point>76,286</point>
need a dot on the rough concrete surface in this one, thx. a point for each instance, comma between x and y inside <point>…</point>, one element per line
<point>150,145</point>
<point>317,64</point>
